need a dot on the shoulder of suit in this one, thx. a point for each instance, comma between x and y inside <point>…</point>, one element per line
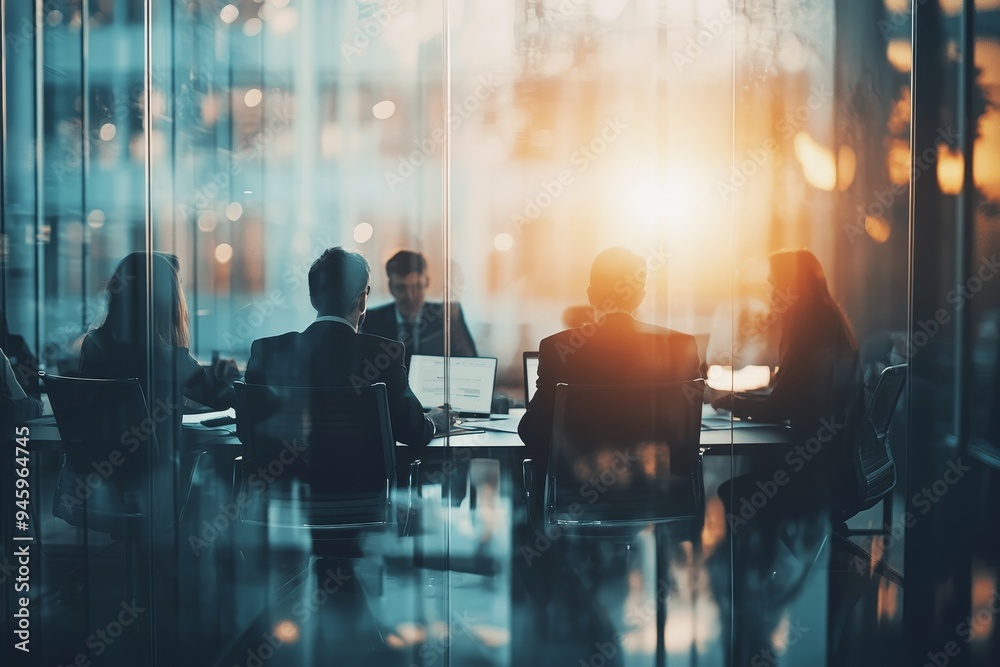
<point>280,339</point>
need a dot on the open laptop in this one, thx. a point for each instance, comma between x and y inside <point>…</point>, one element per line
<point>471,383</point>
<point>530,375</point>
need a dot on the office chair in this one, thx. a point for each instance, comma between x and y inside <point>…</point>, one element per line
<point>871,462</point>
<point>623,457</point>
<point>104,428</point>
<point>329,458</point>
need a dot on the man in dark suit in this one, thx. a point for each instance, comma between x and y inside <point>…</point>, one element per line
<point>418,324</point>
<point>331,352</point>
<point>616,349</point>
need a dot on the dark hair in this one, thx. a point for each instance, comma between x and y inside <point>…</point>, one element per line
<point>617,276</point>
<point>127,319</point>
<point>336,279</point>
<point>800,271</point>
<point>405,262</point>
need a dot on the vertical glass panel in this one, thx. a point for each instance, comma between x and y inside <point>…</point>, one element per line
<point>820,190</point>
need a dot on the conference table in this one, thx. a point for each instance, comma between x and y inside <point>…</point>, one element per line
<point>719,435</point>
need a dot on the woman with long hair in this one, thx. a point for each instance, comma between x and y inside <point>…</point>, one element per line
<point>146,331</point>
<point>819,372</point>
<point>147,320</point>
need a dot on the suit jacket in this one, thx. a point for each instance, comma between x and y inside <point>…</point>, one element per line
<point>331,354</point>
<point>381,321</point>
<point>618,349</point>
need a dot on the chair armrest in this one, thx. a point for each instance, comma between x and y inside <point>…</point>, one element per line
<point>528,480</point>
<point>237,477</point>
<point>415,478</point>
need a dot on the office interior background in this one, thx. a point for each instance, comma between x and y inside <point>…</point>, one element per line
<point>509,142</point>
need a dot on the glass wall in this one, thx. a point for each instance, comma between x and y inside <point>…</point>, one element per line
<point>231,143</point>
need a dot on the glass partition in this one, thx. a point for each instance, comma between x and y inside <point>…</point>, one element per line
<point>175,172</point>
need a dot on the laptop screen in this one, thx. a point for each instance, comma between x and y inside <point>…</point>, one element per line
<point>530,375</point>
<point>471,381</point>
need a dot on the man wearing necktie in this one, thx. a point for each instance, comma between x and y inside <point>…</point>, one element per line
<point>410,318</point>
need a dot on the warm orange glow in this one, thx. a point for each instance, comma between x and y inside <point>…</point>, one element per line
<point>950,170</point>
<point>878,228</point>
<point>899,115</point>
<point>987,55</point>
<point>286,631</point>
<point>899,162</point>
<point>986,155</point>
<point>223,253</point>
<point>714,528</point>
<point>818,164</point>
<point>847,164</point>
<point>897,6</point>
<point>899,52</point>
<point>748,378</point>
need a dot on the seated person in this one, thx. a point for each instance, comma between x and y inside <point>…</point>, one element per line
<point>331,352</point>
<point>616,350</point>
<point>134,336</point>
<point>16,406</point>
<point>118,347</point>
<point>819,371</point>
<point>412,320</point>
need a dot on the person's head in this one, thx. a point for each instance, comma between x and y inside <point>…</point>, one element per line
<point>796,278</point>
<point>338,284</point>
<point>127,295</point>
<point>617,281</point>
<point>408,281</point>
<point>799,288</point>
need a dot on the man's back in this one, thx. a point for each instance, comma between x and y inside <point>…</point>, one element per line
<point>617,350</point>
<point>331,354</point>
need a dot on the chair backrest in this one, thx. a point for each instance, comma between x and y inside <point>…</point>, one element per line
<point>323,444</point>
<point>102,421</point>
<point>885,398</point>
<point>874,467</point>
<point>623,454</point>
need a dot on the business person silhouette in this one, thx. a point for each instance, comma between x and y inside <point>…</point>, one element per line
<point>819,377</point>
<point>136,334</point>
<point>616,350</point>
<point>331,352</point>
<point>410,318</point>
<point>119,347</point>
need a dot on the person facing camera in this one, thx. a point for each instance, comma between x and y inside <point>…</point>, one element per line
<point>616,349</point>
<point>411,319</point>
<point>331,352</point>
